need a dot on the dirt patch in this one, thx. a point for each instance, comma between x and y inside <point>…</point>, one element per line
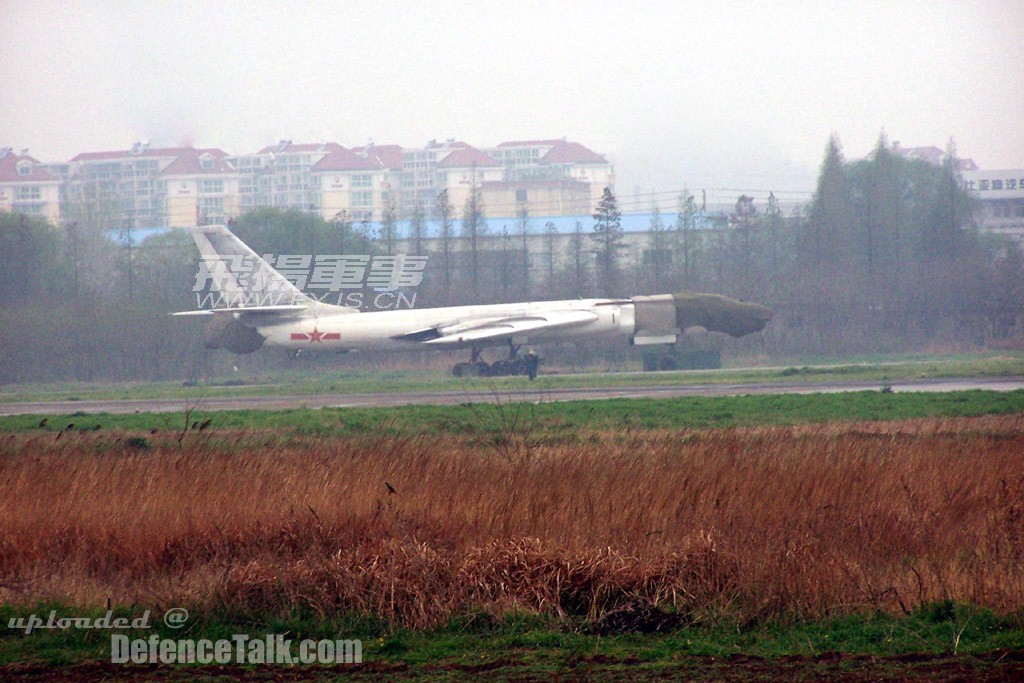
<point>1001,665</point>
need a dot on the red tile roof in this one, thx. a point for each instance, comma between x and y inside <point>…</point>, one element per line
<point>388,155</point>
<point>467,157</point>
<point>161,152</point>
<point>932,154</point>
<point>572,153</point>
<point>9,171</point>
<point>448,144</point>
<point>531,143</point>
<point>289,148</point>
<point>345,160</point>
<point>189,163</point>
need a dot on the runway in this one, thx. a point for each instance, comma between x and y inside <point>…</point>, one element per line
<point>377,400</point>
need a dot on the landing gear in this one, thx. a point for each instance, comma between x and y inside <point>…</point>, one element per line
<point>480,368</point>
<point>474,368</point>
<point>513,365</point>
<point>519,367</point>
<point>504,368</point>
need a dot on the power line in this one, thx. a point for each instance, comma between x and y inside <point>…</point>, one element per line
<point>638,202</point>
<point>537,208</point>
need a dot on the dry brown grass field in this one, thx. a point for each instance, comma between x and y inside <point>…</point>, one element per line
<point>746,524</point>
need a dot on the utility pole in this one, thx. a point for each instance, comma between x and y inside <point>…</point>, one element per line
<point>73,234</point>
<point>127,238</point>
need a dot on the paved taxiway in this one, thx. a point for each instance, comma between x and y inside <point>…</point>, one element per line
<point>163,405</point>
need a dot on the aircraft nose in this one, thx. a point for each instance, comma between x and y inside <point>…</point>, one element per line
<point>759,316</point>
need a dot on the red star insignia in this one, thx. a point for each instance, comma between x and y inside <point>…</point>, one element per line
<point>315,336</point>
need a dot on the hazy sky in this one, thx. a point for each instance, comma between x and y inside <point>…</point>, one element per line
<point>711,94</point>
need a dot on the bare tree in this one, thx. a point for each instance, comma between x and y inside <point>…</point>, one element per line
<point>87,221</point>
<point>417,228</point>
<point>474,228</point>
<point>523,224</point>
<point>579,270</point>
<point>388,224</point>
<point>342,227</point>
<point>658,256</point>
<point>504,262</point>
<point>773,224</point>
<point>127,237</point>
<point>550,240</point>
<point>443,211</point>
<point>687,220</point>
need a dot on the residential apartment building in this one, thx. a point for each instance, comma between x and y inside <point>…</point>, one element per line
<point>930,154</point>
<point>27,186</point>
<point>539,196</point>
<point>184,186</point>
<point>1001,199</point>
<point>1000,193</point>
<point>146,187</point>
<point>552,177</point>
<point>279,175</point>
<point>463,169</point>
<point>355,184</point>
<point>554,161</point>
<point>199,188</point>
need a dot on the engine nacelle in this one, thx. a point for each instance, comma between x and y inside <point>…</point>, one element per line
<point>655,319</point>
<point>662,317</point>
<point>719,313</point>
<point>224,332</point>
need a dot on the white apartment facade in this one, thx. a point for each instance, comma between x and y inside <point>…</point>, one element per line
<point>145,187</point>
<point>183,186</point>
<point>27,186</point>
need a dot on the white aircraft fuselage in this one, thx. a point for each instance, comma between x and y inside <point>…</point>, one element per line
<point>389,330</point>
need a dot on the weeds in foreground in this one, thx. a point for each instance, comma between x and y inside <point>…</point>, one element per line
<point>610,529</point>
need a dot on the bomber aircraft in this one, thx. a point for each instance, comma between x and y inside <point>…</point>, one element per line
<point>266,309</point>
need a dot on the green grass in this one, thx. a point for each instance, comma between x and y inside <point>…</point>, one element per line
<point>526,644</point>
<point>555,418</point>
<point>310,381</point>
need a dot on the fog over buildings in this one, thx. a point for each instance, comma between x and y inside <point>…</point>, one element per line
<point>706,94</point>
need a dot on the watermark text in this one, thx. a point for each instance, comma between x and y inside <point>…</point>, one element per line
<point>239,649</point>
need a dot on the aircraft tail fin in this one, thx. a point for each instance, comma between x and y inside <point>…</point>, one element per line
<point>239,275</point>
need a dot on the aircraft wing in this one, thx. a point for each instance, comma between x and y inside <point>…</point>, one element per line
<point>489,329</point>
<point>245,309</point>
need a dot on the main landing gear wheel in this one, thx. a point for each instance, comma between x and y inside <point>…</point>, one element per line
<point>513,365</point>
<point>474,369</point>
<point>519,367</point>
